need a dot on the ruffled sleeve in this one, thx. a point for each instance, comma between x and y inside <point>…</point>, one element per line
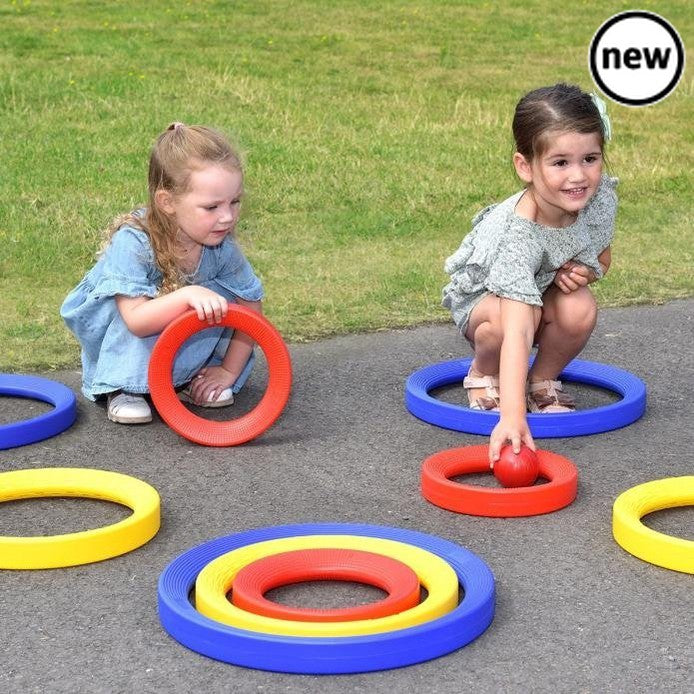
<point>601,213</point>
<point>235,274</point>
<point>127,266</point>
<point>464,255</point>
<point>512,273</point>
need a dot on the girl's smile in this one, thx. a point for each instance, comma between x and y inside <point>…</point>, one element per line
<point>564,178</point>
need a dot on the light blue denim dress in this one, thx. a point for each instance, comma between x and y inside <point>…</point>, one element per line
<point>115,359</point>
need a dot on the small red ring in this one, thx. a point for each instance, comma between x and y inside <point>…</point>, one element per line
<point>390,575</point>
<point>438,488</point>
<point>235,431</point>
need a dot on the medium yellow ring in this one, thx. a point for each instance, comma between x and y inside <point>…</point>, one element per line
<point>644,543</point>
<point>71,549</point>
<point>435,574</point>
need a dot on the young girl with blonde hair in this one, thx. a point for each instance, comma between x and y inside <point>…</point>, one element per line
<point>176,254</point>
<point>520,277</point>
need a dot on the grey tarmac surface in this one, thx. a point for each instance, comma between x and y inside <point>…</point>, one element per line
<point>574,612</point>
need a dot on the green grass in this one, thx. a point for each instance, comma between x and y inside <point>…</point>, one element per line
<point>372,132</point>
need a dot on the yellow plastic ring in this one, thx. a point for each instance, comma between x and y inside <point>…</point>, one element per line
<point>71,549</point>
<point>645,543</point>
<point>216,579</point>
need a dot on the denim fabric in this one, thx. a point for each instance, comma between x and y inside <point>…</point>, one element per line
<point>115,359</point>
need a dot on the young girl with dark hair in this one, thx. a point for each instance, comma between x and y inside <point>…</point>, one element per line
<point>520,277</point>
<point>176,254</point>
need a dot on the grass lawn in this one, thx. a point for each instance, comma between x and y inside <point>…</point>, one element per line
<point>372,131</point>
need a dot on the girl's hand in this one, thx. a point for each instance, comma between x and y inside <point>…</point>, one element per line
<point>515,431</point>
<point>209,305</point>
<point>209,383</point>
<point>572,276</point>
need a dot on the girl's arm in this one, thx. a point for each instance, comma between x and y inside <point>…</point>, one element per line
<point>241,345</point>
<point>518,325</point>
<point>212,380</point>
<point>605,260</point>
<point>144,316</point>
<point>571,276</point>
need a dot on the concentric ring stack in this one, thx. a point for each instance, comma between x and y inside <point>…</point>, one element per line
<point>458,606</point>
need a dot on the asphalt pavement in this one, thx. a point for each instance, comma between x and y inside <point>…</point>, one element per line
<point>574,611</point>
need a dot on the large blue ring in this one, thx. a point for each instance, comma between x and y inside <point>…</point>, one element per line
<point>331,655</point>
<point>564,424</point>
<point>45,425</point>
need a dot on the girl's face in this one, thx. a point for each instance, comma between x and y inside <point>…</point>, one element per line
<point>565,176</point>
<point>209,210</point>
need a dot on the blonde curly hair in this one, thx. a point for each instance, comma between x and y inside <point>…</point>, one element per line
<point>178,152</point>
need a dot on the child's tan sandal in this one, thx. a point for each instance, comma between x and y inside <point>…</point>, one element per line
<point>548,397</point>
<point>490,401</point>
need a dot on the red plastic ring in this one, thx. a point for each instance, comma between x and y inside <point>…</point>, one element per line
<point>241,429</point>
<point>438,488</point>
<point>281,569</point>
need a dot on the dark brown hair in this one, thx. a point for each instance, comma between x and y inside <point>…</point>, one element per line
<point>560,108</point>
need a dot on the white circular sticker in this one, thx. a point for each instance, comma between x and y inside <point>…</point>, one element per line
<point>636,58</point>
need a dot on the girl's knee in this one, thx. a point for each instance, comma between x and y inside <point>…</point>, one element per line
<point>489,333</point>
<point>485,321</point>
<point>577,311</point>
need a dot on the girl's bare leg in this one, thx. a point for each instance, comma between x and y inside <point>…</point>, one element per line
<point>567,323</point>
<point>486,334</point>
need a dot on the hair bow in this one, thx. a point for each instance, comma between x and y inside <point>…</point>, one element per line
<point>602,110</point>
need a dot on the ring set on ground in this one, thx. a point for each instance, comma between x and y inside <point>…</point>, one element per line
<point>234,622</point>
<point>629,508</point>
<point>439,469</point>
<point>458,608</point>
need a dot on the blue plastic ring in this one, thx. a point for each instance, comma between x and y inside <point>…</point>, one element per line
<point>45,425</point>
<point>327,655</point>
<point>580,423</point>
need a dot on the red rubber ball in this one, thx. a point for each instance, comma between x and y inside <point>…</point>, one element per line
<point>516,469</point>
